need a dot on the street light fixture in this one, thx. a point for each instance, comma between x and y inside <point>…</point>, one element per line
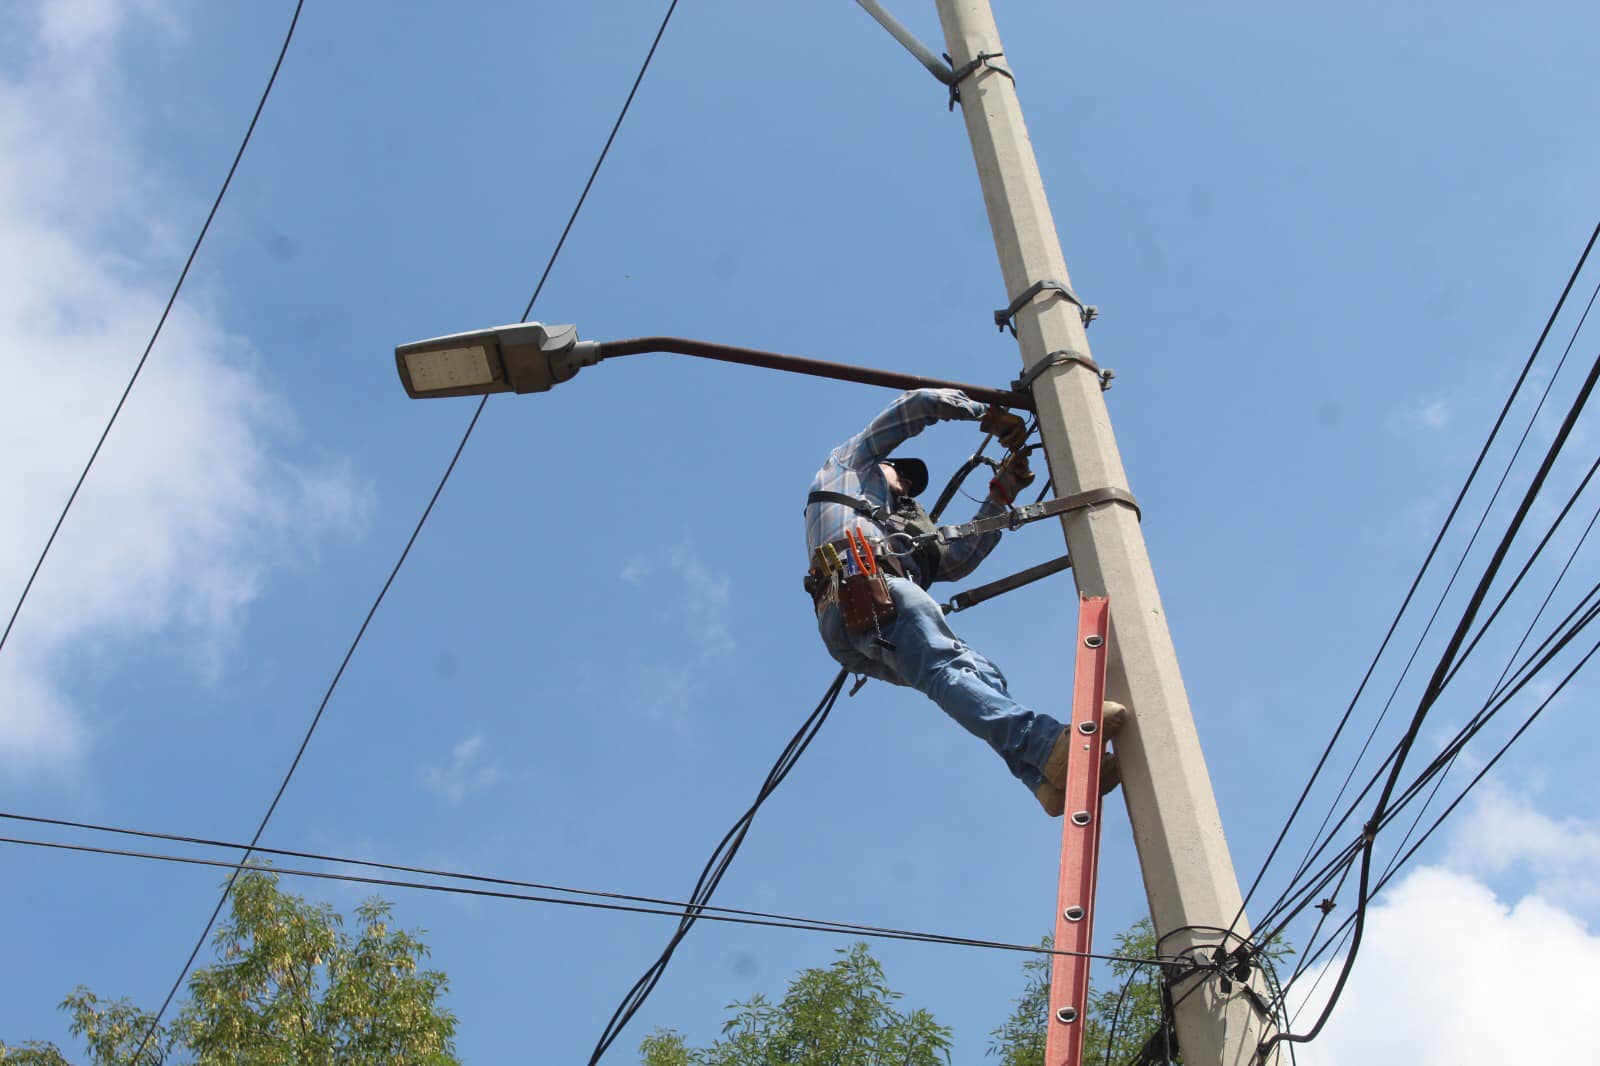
<point>533,357</point>
<point>527,357</point>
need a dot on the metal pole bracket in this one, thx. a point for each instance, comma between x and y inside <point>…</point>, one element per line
<point>1004,317</point>
<point>982,61</point>
<point>1062,358</point>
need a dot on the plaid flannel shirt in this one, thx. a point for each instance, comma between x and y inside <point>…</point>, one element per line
<point>853,469</point>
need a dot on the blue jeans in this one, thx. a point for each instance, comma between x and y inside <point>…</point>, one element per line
<point>928,657</point>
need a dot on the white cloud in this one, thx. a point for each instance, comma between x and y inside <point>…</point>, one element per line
<point>702,602</point>
<point>1452,974</point>
<point>1504,832</point>
<point>468,771</point>
<point>1435,414</point>
<point>191,500</point>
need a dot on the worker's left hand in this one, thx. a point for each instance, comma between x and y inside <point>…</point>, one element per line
<point>1006,426</point>
<point>1011,478</point>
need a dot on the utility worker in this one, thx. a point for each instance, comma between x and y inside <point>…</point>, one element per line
<point>869,584</point>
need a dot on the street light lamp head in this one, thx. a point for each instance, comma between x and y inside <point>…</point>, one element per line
<point>526,357</point>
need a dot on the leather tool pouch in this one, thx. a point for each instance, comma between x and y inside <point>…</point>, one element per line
<point>864,602</point>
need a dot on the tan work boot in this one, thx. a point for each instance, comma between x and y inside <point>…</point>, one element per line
<point>1112,717</point>
<point>1051,798</point>
<point>1110,774</point>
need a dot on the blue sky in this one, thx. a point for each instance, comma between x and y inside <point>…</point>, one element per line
<point>1321,242</point>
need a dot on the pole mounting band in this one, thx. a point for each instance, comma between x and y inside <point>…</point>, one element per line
<point>1004,318</point>
<point>982,61</point>
<point>1062,357</point>
<point>1016,517</point>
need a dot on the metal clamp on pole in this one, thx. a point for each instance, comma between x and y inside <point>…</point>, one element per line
<point>982,61</point>
<point>1003,317</point>
<point>1017,517</point>
<point>1062,358</point>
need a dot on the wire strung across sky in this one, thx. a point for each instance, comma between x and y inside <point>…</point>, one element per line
<point>716,868</point>
<point>564,896</point>
<point>1467,636</point>
<point>1454,510</point>
<point>177,286</point>
<point>1416,583</point>
<point>1366,849</point>
<point>406,551</point>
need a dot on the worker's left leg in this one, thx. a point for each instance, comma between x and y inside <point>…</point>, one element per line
<point>923,653</point>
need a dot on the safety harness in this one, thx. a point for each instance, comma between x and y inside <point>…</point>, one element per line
<point>912,534</point>
<point>906,520</point>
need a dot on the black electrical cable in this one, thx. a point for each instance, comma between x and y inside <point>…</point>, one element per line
<point>1430,694</point>
<point>1561,635</point>
<point>1456,573</point>
<point>677,905</point>
<point>460,447</point>
<point>1516,582</point>
<point>305,741</point>
<point>1547,651</point>
<point>1344,930</point>
<point>1116,1012</point>
<point>1417,581</point>
<point>958,478</point>
<point>1395,866</point>
<point>1521,643</point>
<point>1311,940</point>
<point>1503,698</point>
<point>716,868</point>
<point>1315,849</point>
<point>672,910</point>
<point>172,299</point>
<point>1553,643</point>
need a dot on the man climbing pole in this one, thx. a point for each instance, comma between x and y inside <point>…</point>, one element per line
<point>872,561</point>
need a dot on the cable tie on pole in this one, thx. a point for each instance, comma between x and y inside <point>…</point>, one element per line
<point>982,61</point>
<point>1004,318</point>
<point>1062,357</point>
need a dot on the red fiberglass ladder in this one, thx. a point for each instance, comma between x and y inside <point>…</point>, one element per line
<point>1080,841</point>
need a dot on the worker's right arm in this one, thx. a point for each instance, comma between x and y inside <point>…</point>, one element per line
<point>909,415</point>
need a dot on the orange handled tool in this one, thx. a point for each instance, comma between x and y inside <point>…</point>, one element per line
<point>867,561</point>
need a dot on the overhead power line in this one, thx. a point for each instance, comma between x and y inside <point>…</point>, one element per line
<point>1422,570</point>
<point>587,898</point>
<point>1431,694</point>
<point>160,322</point>
<point>405,552</point>
<point>1343,932</point>
<point>716,868</point>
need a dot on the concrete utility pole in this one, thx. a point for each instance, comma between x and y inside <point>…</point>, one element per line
<point>1188,874</point>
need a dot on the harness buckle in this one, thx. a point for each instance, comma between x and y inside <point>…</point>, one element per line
<point>889,544</point>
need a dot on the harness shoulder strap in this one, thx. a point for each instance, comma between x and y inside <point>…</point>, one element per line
<point>859,504</point>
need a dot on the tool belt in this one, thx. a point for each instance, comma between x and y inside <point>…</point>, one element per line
<point>863,595</point>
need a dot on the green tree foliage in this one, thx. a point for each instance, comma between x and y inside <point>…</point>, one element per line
<point>1124,1005</point>
<point>843,1015</point>
<point>1131,995</point>
<point>290,986</point>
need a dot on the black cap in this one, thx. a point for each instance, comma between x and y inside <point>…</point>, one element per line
<point>913,473</point>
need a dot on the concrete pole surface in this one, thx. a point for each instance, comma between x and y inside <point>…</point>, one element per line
<point>1188,875</point>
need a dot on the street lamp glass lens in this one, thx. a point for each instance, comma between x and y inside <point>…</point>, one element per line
<point>448,369</point>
